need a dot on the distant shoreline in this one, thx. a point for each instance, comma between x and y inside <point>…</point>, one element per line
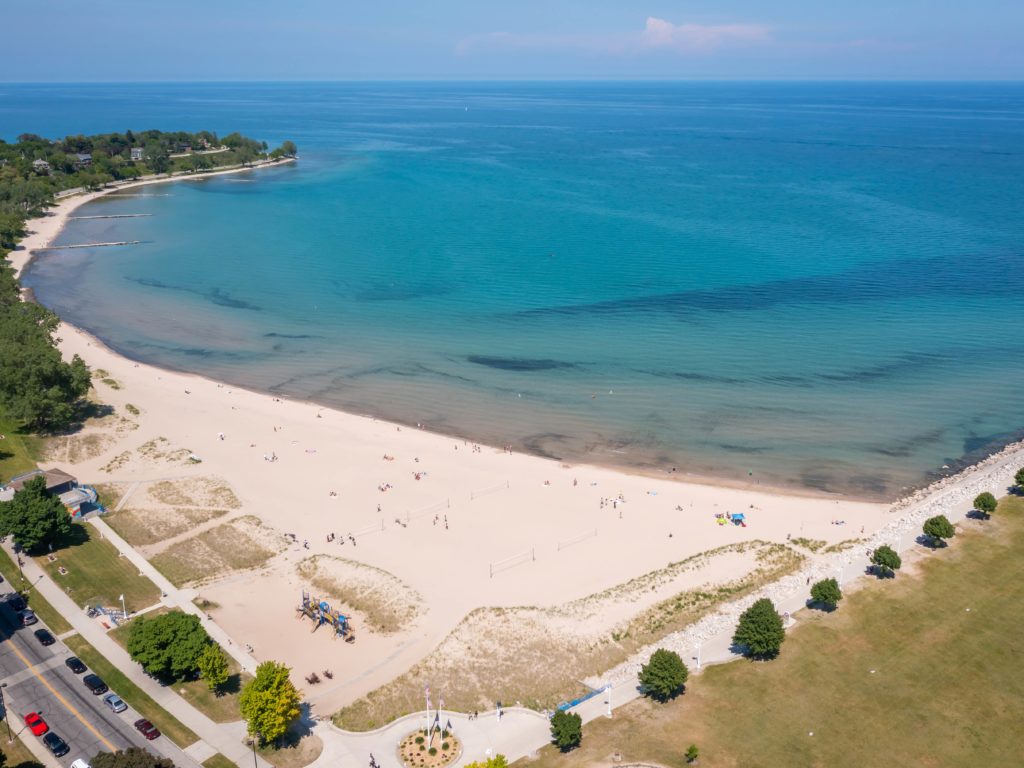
<point>45,229</point>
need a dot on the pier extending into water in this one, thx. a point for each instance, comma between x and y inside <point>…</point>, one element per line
<point>87,245</point>
<point>111,216</point>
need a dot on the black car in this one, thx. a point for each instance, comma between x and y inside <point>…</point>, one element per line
<point>17,602</point>
<point>94,684</point>
<point>44,637</point>
<point>73,663</point>
<point>55,744</point>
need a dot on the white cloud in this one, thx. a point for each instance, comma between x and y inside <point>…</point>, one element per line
<point>659,33</point>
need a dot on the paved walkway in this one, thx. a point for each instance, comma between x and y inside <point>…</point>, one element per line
<point>223,738</point>
<point>173,597</point>
<point>521,732</point>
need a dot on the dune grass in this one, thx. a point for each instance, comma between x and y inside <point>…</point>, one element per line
<point>920,670</point>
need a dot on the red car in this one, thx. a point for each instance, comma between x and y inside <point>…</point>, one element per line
<point>36,723</point>
<point>147,729</point>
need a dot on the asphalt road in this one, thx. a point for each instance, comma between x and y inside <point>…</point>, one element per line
<point>39,681</point>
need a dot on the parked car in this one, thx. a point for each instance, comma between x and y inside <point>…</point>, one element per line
<point>36,723</point>
<point>56,744</point>
<point>94,684</point>
<point>17,602</point>
<point>115,703</point>
<point>28,618</point>
<point>44,637</point>
<point>74,664</point>
<point>147,729</point>
<point>79,763</point>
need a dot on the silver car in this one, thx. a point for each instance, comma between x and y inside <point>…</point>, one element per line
<point>114,702</point>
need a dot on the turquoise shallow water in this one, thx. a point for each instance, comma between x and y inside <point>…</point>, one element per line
<point>810,284</point>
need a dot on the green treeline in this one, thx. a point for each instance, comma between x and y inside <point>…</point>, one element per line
<point>37,388</point>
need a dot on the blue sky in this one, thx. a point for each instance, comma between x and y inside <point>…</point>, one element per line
<point>125,40</point>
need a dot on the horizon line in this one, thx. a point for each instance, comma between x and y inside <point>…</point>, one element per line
<point>553,80</point>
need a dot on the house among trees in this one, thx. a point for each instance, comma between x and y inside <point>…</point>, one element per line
<point>83,159</point>
<point>79,499</point>
<point>136,154</point>
<point>40,166</point>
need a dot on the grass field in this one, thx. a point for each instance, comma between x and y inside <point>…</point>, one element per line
<point>922,670</point>
<point>36,601</point>
<point>17,450</point>
<point>220,709</point>
<point>96,573</point>
<point>171,727</point>
<point>17,754</point>
<point>218,761</point>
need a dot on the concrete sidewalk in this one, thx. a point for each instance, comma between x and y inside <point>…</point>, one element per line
<point>173,597</point>
<point>220,738</point>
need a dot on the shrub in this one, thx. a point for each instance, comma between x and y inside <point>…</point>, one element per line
<point>1018,479</point>
<point>886,560</point>
<point>444,746</point>
<point>692,753</point>
<point>664,675</point>
<point>566,730</point>
<point>938,529</point>
<point>826,592</point>
<point>760,630</point>
<point>985,503</point>
<point>419,739</point>
<point>432,751</point>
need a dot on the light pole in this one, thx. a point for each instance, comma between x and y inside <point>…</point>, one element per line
<point>252,742</point>
<point>124,610</point>
<point>7,719</point>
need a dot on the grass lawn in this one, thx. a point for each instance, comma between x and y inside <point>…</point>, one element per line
<point>220,709</point>
<point>218,761</point>
<point>172,728</point>
<point>97,574</point>
<point>17,754</point>
<point>36,601</point>
<point>902,674</point>
<point>294,751</point>
<point>17,450</point>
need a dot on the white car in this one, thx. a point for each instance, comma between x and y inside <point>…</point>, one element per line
<point>79,763</point>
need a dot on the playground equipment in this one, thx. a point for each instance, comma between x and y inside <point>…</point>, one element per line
<point>320,612</point>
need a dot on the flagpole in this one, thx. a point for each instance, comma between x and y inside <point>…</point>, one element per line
<point>123,609</point>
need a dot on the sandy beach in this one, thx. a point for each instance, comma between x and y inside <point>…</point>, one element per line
<point>247,499</point>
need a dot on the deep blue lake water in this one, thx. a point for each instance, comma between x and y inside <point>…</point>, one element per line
<point>809,284</point>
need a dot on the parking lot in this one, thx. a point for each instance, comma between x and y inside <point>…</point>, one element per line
<point>36,679</point>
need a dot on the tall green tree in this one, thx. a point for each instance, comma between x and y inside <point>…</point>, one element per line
<point>664,675</point>
<point>827,593</point>
<point>760,630</point>
<point>156,157</point>
<point>269,702</point>
<point>1018,479</point>
<point>288,148</point>
<point>213,666</point>
<point>168,646</point>
<point>133,757</point>
<point>985,503</point>
<point>886,560</point>
<point>938,529</point>
<point>35,517</point>
<point>566,730</point>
